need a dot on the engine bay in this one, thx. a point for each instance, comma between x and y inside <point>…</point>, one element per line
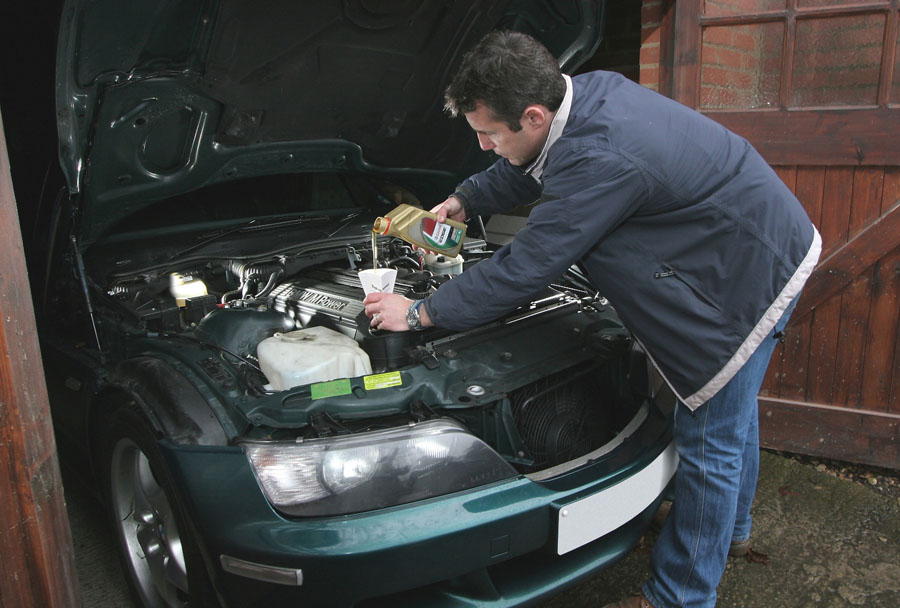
<point>317,289</point>
<point>549,381</point>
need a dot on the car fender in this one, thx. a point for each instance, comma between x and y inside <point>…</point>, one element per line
<point>171,403</point>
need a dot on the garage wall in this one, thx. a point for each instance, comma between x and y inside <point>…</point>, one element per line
<point>37,564</point>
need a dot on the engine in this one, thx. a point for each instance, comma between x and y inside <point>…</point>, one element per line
<point>321,287</point>
<point>333,298</point>
<point>321,291</point>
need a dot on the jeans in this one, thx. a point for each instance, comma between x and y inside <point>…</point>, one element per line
<point>718,449</point>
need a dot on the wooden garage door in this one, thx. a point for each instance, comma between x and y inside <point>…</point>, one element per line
<point>815,86</point>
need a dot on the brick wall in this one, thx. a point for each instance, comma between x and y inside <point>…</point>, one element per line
<point>652,12</point>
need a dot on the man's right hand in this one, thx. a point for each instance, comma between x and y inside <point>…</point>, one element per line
<point>452,208</point>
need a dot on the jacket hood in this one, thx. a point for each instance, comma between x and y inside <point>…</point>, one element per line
<point>160,97</point>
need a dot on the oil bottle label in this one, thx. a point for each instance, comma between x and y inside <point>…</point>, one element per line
<point>439,235</point>
<point>421,228</point>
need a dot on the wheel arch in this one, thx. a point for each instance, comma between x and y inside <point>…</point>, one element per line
<point>171,404</point>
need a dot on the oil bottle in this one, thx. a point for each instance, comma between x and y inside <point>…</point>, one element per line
<point>421,228</point>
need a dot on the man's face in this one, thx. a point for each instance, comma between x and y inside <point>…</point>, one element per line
<point>518,147</point>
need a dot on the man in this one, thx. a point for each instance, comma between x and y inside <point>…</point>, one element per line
<point>679,223</point>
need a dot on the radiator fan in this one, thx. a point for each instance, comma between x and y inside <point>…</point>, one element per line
<point>560,418</point>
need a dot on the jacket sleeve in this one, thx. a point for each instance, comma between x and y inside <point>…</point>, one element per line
<point>586,196</point>
<point>499,188</point>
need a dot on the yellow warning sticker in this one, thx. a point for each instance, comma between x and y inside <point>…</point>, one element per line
<point>385,380</point>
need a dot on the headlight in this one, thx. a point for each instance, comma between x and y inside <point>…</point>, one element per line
<point>353,473</point>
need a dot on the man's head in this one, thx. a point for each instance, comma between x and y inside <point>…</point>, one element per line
<point>508,86</point>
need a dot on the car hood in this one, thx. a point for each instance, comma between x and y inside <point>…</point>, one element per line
<point>160,97</point>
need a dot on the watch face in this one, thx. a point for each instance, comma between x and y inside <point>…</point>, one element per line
<point>412,316</point>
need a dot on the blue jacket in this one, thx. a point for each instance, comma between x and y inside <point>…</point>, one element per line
<point>679,222</point>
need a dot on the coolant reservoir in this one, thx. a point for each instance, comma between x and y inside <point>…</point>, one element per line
<point>314,354</point>
<point>182,287</point>
<point>441,264</point>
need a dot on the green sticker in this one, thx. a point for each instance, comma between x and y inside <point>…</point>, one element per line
<point>331,389</point>
<point>382,380</point>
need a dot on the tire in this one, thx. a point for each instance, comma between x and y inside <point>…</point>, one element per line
<point>158,553</point>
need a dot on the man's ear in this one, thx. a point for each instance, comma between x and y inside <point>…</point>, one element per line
<point>535,116</point>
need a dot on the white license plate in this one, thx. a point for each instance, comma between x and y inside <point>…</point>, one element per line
<point>589,518</point>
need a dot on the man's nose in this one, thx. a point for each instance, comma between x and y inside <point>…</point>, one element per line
<point>485,142</point>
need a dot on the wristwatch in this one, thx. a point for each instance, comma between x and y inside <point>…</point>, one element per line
<point>413,321</point>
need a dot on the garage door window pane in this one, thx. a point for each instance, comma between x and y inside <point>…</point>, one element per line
<point>895,90</point>
<point>741,66</point>
<point>718,8</point>
<point>837,61</point>
<point>818,3</point>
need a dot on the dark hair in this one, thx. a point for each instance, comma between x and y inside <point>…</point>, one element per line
<point>507,72</point>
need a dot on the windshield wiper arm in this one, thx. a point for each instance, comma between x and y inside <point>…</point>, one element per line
<point>344,221</point>
<point>211,238</point>
<point>288,222</point>
<point>253,224</point>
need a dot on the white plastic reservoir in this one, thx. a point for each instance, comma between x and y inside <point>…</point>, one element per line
<point>441,264</point>
<point>314,354</point>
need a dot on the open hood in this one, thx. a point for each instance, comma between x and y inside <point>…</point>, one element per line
<point>160,97</point>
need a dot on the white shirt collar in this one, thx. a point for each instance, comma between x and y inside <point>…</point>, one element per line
<point>536,168</point>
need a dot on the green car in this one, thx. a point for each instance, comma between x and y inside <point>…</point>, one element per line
<point>210,367</point>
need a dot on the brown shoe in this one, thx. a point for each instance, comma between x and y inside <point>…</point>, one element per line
<point>739,548</point>
<point>635,601</point>
<point>662,513</point>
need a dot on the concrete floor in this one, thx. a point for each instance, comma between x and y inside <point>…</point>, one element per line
<point>830,542</point>
<point>96,562</point>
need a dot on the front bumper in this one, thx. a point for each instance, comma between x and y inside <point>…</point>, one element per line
<point>496,545</point>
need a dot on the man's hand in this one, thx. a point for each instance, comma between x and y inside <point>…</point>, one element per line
<point>452,208</point>
<point>388,311</point>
